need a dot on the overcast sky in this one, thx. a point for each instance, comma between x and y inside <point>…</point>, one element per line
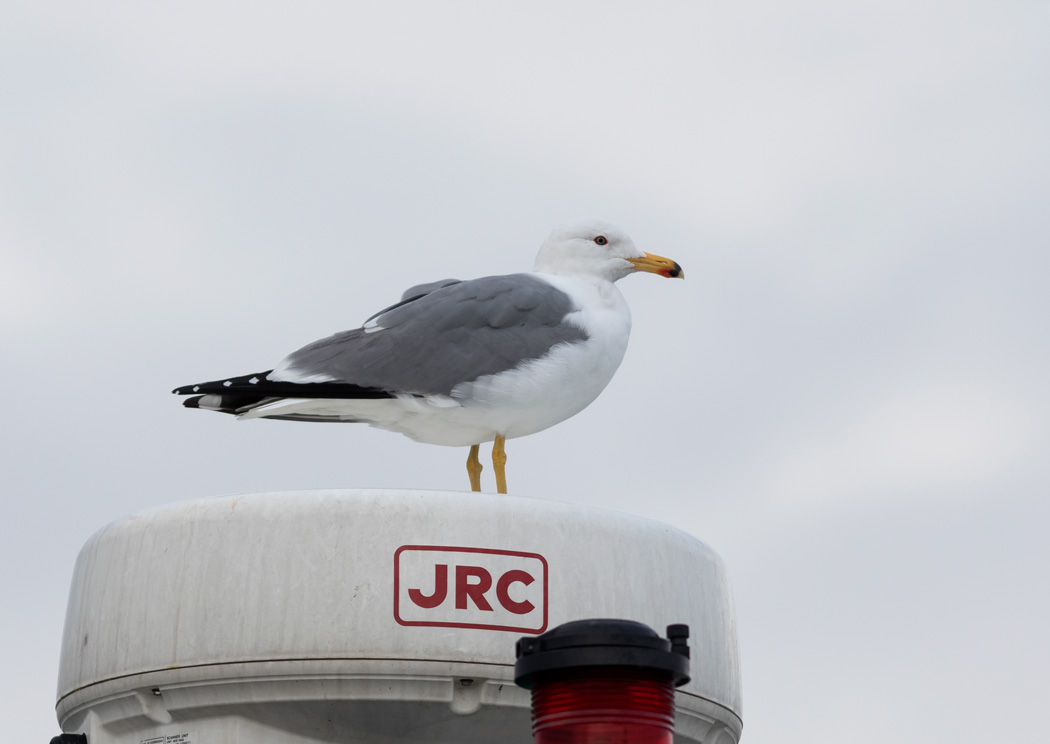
<point>847,398</point>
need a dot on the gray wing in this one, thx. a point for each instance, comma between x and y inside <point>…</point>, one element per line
<point>453,334</point>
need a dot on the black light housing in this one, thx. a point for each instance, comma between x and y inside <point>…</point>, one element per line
<point>592,679</point>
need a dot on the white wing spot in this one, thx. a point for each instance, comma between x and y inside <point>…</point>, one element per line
<point>196,388</point>
<point>254,380</point>
<point>227,383</point>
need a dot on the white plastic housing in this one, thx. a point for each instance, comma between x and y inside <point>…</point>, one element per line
<point>368,616</point>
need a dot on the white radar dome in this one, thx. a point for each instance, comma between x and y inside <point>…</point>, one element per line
<point>369,616</point>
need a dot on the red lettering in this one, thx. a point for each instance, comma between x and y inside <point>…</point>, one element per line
<point>514,577</point>
<point>440,589</point>
<point>475,591</point>
<point>472,582</point>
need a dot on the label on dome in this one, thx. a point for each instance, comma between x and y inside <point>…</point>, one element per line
<point>458,587</point>
<point>170,739</point>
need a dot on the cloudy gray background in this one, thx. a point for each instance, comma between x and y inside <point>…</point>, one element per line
<point>847,397</point>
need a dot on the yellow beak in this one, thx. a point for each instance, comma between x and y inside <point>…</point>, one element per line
<point>654,264</point>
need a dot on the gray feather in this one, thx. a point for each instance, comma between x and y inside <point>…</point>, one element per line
<point>414,293</point>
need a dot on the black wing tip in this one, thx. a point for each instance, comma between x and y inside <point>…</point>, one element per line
<point>259,386</point>
<point>220,386</point>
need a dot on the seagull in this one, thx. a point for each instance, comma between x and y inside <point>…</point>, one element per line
<point>459,363</point>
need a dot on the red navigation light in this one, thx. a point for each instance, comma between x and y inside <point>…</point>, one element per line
<point>614,705</point>
<point>603,682</point>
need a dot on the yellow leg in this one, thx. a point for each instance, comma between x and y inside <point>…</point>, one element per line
<point>474,468</point>
<point>499,462</point>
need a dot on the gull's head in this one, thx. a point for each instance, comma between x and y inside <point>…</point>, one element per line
<point>595,248</point>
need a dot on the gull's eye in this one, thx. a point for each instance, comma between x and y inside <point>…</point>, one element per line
<point>601,240</point>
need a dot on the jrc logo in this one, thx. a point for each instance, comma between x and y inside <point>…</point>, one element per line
<point>470,588</point>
